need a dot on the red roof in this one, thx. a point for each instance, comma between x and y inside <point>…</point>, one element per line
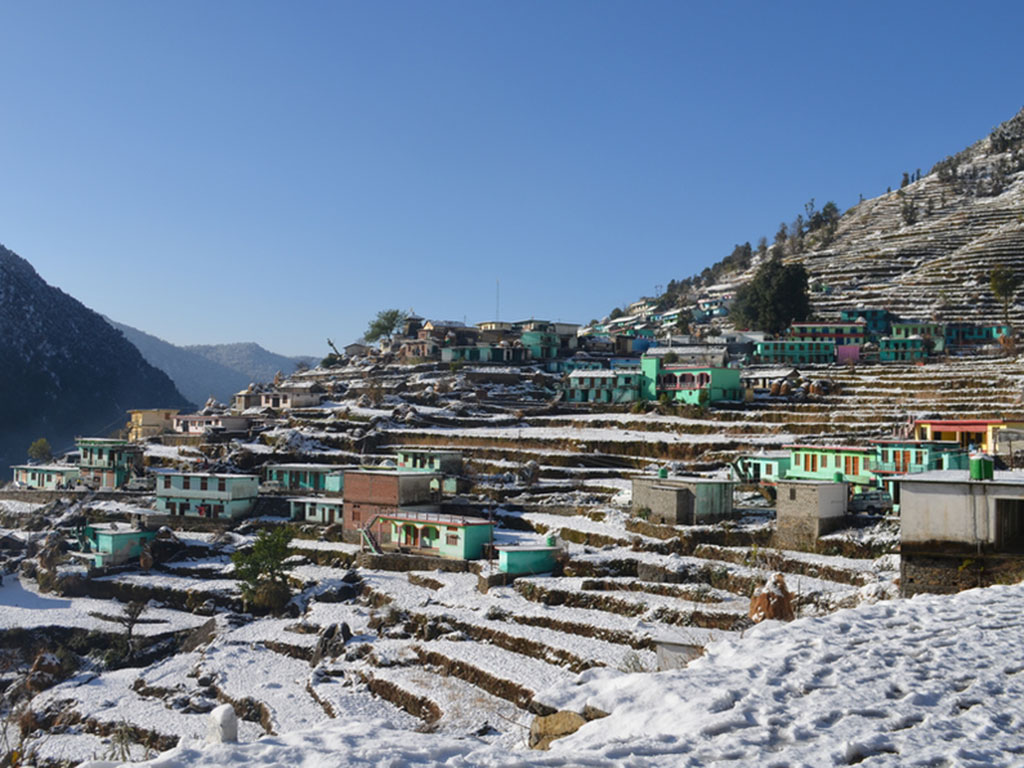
<point>857,448</point>
<point>970,426</point>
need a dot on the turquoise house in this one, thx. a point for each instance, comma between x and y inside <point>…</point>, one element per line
<point>969,335</point>
<point>905,457</point>
<point>767,467</point>
<point>105,462</point>
<point>688,384</point>
<point>483,353</point>
<point>877,322</point>
<point>46,477</point>
<point>114,543</point>
<point>444,462</point>
<point>794,352</point>
<point>205,494</point>
<point>542,343</point>
<point>316,509</point>
<point>423,531</point>
<point>429,460</point>
<point>833,463</point>
<point>934,334</point>
<point>527,560</point>
<point>842,333</point>
<point>905,350</point>
<point>305,477</point>
<point>621,385</point>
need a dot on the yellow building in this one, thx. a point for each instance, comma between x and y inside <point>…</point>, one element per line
<point>980,433</point>
<point>148,422</point>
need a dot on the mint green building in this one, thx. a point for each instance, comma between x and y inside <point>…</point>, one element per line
<point>767,467</point>
<point>429,460</point>
<point>842,333</point>
<point>461,537</point>
<point>901,350</point>
<point>483,353</point>
<point>688,384</point>
<point>894,458</point>
<point>105,462</point>
<point>795,351</point>
<point>934,334</point>
<point>621,385</point>
<point>305,477</point>
<point>316,509</point>
<point>205,494</point>
<point>46,477</point>
<point>115,543</point>
<point>542,344</point>
<point>877,321</point>
<point>445,462</point>
<point>833,463</point>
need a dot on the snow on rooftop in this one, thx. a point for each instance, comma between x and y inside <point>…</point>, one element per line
<point>999,477</point>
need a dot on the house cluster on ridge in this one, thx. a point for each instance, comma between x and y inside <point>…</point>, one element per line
<point>874,335</point>
<point>930,444</point>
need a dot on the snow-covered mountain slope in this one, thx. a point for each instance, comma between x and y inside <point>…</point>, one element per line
<point>63,369</point>
<point>936,680</point>
<point>928,249</point>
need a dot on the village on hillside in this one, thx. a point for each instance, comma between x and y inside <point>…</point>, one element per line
<point>443,530</point>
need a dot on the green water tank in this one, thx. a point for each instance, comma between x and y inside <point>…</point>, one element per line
<point>981,467</point>
<point>663,473</point>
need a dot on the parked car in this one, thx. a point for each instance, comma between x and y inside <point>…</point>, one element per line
<point>141,484</point>
<point>871,501</point>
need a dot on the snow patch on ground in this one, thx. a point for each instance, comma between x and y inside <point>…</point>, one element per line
<point>936,680</point>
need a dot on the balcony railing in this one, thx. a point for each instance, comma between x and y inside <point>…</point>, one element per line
<point>682,387</point>
<point>427,517</point>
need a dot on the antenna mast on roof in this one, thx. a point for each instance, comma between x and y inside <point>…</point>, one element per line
<point>497,300</point>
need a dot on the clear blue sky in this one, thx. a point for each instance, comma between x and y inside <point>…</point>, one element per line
<point>278,172</point>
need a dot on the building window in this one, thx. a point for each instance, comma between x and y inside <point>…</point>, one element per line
<point>792,494</point>
<point>1010,525</point>
<point>221,484</point>
<point>167,483</point>
<point>202,484</point>
<point>452,540</point>
<point>185,483</point>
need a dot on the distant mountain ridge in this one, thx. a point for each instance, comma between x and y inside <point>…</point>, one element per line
<point>211,370</point>
<point>197,377</point>
<point>63,370</point>
<point>250,358</point>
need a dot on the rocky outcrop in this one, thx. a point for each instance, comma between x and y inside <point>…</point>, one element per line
<point>546,728</point>
<point>772,601</point>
